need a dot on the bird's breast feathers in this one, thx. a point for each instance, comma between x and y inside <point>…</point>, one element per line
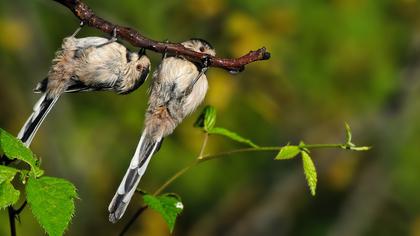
<point>177,70</point>
<point>182,73</point>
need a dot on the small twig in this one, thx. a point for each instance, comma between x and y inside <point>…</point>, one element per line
<point>12,220</point>
<point>133,219</point>
<point>185,169</point>
<point>168,182</point>
<point>20,209</point>
<point>226,153</point>
<point>12,217</point>
<point>203,158</point>
<point>174,177</point>
<point>200,158</point>
<point>10,210</point>
<point>203,145</point>
<point>88,17</point>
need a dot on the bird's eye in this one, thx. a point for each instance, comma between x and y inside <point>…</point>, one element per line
<point>202,49</point>
<point>139,67</point>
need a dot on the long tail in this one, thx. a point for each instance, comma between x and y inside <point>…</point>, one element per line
<point>145,150</point>
<point>40,111</point>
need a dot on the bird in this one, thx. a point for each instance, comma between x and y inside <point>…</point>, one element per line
<point>177,89</point>
<point>86,64</point>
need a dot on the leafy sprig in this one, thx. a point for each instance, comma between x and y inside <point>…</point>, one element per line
<point>206,122</point>
<point>50,199</point>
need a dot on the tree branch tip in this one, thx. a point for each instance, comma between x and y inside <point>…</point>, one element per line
<point>266,55</point>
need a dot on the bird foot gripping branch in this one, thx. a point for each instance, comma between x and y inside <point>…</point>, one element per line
<point>86,15</point>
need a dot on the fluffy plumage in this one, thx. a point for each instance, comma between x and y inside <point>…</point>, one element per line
<point>169,104</point>
<point>86,64</point>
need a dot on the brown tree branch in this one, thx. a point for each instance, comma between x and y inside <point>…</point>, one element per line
<point>88,17</point>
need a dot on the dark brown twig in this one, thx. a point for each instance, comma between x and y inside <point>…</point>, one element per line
<point>132,220</point>
<point>12,222</point>
<point>20,209</point>
<point>13,214</point>
<point>88,17</point>
<point>10,210</point>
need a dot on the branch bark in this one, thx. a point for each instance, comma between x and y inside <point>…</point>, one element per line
<point>82,11</point>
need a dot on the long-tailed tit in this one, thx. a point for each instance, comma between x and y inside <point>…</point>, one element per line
<point>86,64</point>
<point>178,87</point>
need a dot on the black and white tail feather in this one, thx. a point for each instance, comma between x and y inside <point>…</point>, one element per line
<point>147,146</point>
<point>41,109</point>
<point>175,92</point>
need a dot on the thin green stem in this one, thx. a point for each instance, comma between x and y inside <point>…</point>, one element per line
<point>332,145</point>
<point>174,177</point>
<point>202,158</point>
<point>203,145</point>
<point>226,153</point>
<point>185,169</point>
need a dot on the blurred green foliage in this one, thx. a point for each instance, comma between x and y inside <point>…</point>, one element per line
<point>332,61</point>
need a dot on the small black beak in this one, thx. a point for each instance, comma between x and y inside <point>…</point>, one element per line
<point>142,51</point>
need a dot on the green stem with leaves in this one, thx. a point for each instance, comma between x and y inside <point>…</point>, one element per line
<point>206,122</point>
<point>203,158</point>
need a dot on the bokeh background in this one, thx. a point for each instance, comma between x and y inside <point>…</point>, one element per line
<point>332,61</point>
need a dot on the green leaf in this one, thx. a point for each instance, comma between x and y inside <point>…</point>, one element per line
<point>8,194</point>
<point>232,135</point>
<point>52,202</point>
<point>310,172</point>
<point>288,152</point>
<point>348,133</point>
<point>168,205</point>
<point>7,173</point>
<point>14,148</point>
<point>207,118</point>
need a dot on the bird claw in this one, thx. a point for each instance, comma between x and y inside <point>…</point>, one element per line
<point>114,35</point>
<point>164,52</point>
<point>82,23</point>
<point>142,51</point>
<point>111,40</point>
<point>205,61</point>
